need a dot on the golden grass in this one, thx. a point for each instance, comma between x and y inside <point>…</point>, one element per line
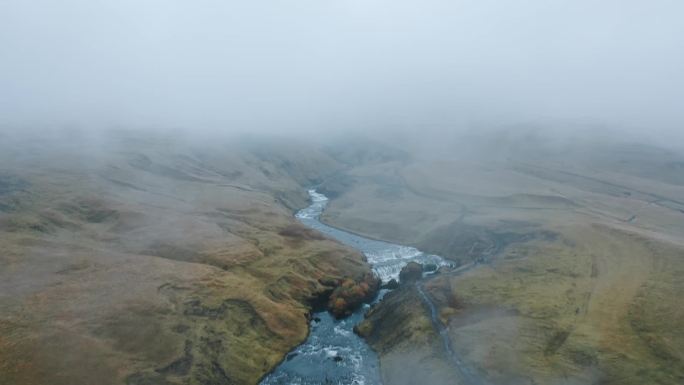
<point>157,263</point>
<point>587,286</point>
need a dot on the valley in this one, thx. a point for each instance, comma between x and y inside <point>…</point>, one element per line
<point>143,260</point>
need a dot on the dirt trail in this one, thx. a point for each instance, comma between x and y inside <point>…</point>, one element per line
<point>466,373</point>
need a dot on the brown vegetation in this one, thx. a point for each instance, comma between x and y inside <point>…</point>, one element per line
<point>350,294</point>
<point>155,262</point>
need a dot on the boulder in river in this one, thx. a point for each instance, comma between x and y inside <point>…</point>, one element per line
<point>391,285</point>
<point>412,272</point>
<point>430,267</point>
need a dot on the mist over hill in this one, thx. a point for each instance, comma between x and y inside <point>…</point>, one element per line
<point>337,66</point>
<point>153,157</point>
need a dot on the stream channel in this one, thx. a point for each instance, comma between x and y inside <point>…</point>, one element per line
<point>333,353</point>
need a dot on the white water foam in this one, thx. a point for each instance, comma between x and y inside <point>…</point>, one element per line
<point>386,259</point>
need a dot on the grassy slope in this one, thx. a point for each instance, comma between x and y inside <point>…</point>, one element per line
<point>402,333</point>
<point>145,260</point>
<point>586,285</point>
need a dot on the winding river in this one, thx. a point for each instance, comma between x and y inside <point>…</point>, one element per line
<point>333,353</point>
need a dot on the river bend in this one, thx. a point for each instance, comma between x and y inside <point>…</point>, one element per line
<point>333,353</point>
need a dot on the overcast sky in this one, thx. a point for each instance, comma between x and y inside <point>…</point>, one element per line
<point>331,64</point>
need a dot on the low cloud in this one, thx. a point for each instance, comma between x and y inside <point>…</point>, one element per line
<point>275,66</point>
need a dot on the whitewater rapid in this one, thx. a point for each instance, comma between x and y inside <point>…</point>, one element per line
<point>385,258</point>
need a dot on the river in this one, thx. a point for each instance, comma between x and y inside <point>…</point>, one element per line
<point>332,353</point>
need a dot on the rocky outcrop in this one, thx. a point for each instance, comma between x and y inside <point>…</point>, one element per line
<point>412,272</point>
<point>350,294</point>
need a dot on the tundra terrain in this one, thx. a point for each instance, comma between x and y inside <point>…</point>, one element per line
<point>577,253</point>
<point>145,259</point>
<point>130,258</point>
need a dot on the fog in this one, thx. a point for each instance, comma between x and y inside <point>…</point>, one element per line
<point>154,155</point>
<point>276,66</point>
